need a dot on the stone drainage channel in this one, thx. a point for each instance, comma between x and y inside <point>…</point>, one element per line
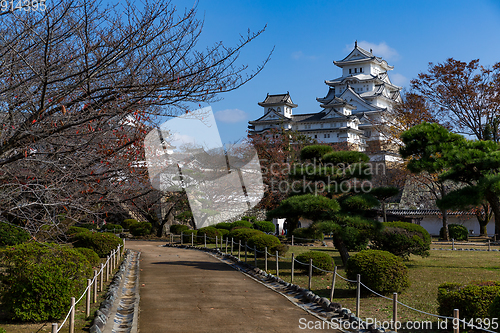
<point>119,311</point>
<point>332,314</point>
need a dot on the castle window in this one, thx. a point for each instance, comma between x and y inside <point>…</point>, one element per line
<point>350,71</point>
<point>361,69</point>
<point>355,70</point>
<point>321,125</point>
<point>315,136</point>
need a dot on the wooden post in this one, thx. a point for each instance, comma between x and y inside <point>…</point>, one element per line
<point>310,273</point>
<point>192,238</point>
<point>87,303</point>
<point>95,287</point>
<point>245,252</point>
<point>239,249</point>
<point>456,322</point>
<point>107,268</point>
<point>293,264</point>
<point>216,242</point>
<point>255,256</point>
<point>333,283</point>
<point>489,245</point>
<point>54,328</point>
<point>265,259</point>
<point>277,265</point>
<point>72,316</point>
<point>205,239</point>
<point>101,275</point>
<point>123,247</point>
<point>453,244</point>
<point>292,240</point>
<point>182,236</point>
<point>232,241</point>
<point>395,311</point>
<point>358,293</point>
<point>226,244</point>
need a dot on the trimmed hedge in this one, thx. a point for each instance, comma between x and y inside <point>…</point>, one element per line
<point>474,300</point>
<point>265,226</point>
<point>243,234</point>
<point>40,280</point>
<point>224,225</point>
<point>494,310</point>
<point>456,231</point>
<point>114,228</point>
<point>246,224</point>
<point>186,236</point>
<point>307,235</point>
<point>403,239</point>
<point>73,230</point>
<point>141,229</point>
<point>262,240</point>
<point>320,259</point>
<point>380,271</point>
<point>90,255</point>
<point>101,242</point>
<point>127,223</point>
<point>176,229</point>
<point>211,232</point>
<point>12,235</point>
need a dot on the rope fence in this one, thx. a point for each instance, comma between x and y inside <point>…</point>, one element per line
<point>456,321</point>
<point>112,262</point>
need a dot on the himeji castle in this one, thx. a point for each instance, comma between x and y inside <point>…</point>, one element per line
<point>353,111</point>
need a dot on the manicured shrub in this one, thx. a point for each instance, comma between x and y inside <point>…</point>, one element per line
<point>456,231</point>
<point>141,229</point>
<point>265,226</point>
<point>249,218</point>
<point>89,226</point>
<point>114,228</point>
<point>243,234</point>
<point>224,225</point>
<point>90,255</point>
<point>354,239</point>
<point>380,271</point>
<point>474,299</point>
<point>282,249</point>
<point>127,223</point>
<point>223,232</point>
<point>402,239</point>
<point>211,232</point>
<point>320,259</point>
<point>262,240</point>
<point>186,236</point>
<point>40,280</point>
<point>494,310</point>
<point>12,235</point>
<point>307,235</point>
<point>73,230</point>
<point>246,224</point>
<point>176,229</point>
<point>315,152</point>
<point>101,242</point>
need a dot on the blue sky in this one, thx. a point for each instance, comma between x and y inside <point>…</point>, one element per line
<point>308,36</point>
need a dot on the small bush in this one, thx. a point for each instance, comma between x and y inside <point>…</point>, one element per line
<point>223,232</point>
<point>380,271</point>
<point>403,239</point>
<point>494,310</point>
<point>40,280</point>
<point>307,235</point>
<point>262,240</point>
<point>282,249</point>
<point>186,236</point>
<point>243,234</point>
<point>12,235</point>
<point>141,229</point>
<point>101,242</point>
<point>89,226</point>
<point>354,238</point>
<point>114,228</point>
<point>176,229</point>
<point>90,255</point>
<point>320,259</point>
<point>211,232</point>
<point>246,224</point>
<point>264,226</point>
<point>249,218</point>
<point>474,300</point>
<point>456,231</point>
<point>224,225</point>
<point>73,230</point>
<point>127,223</point>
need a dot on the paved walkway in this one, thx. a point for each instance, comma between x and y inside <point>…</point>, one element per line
<point>190,291</point>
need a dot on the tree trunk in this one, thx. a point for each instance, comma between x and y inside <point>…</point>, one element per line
<point>495,207</point>
<point>384,211</point>
<point>446,234</point>
<point>340,246</point>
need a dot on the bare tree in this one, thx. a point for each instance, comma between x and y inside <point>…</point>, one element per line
<point>80,86</point>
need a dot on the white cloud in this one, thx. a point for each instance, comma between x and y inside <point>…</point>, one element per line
<point>380,50</point>
<point>398,79</point>
<point>298,55</point>
<point>231,116</point>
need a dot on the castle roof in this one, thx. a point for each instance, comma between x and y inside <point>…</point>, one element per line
<point>360,55</point>
<point>279,99</point>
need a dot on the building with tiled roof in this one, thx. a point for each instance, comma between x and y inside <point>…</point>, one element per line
<point>352,110</point>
